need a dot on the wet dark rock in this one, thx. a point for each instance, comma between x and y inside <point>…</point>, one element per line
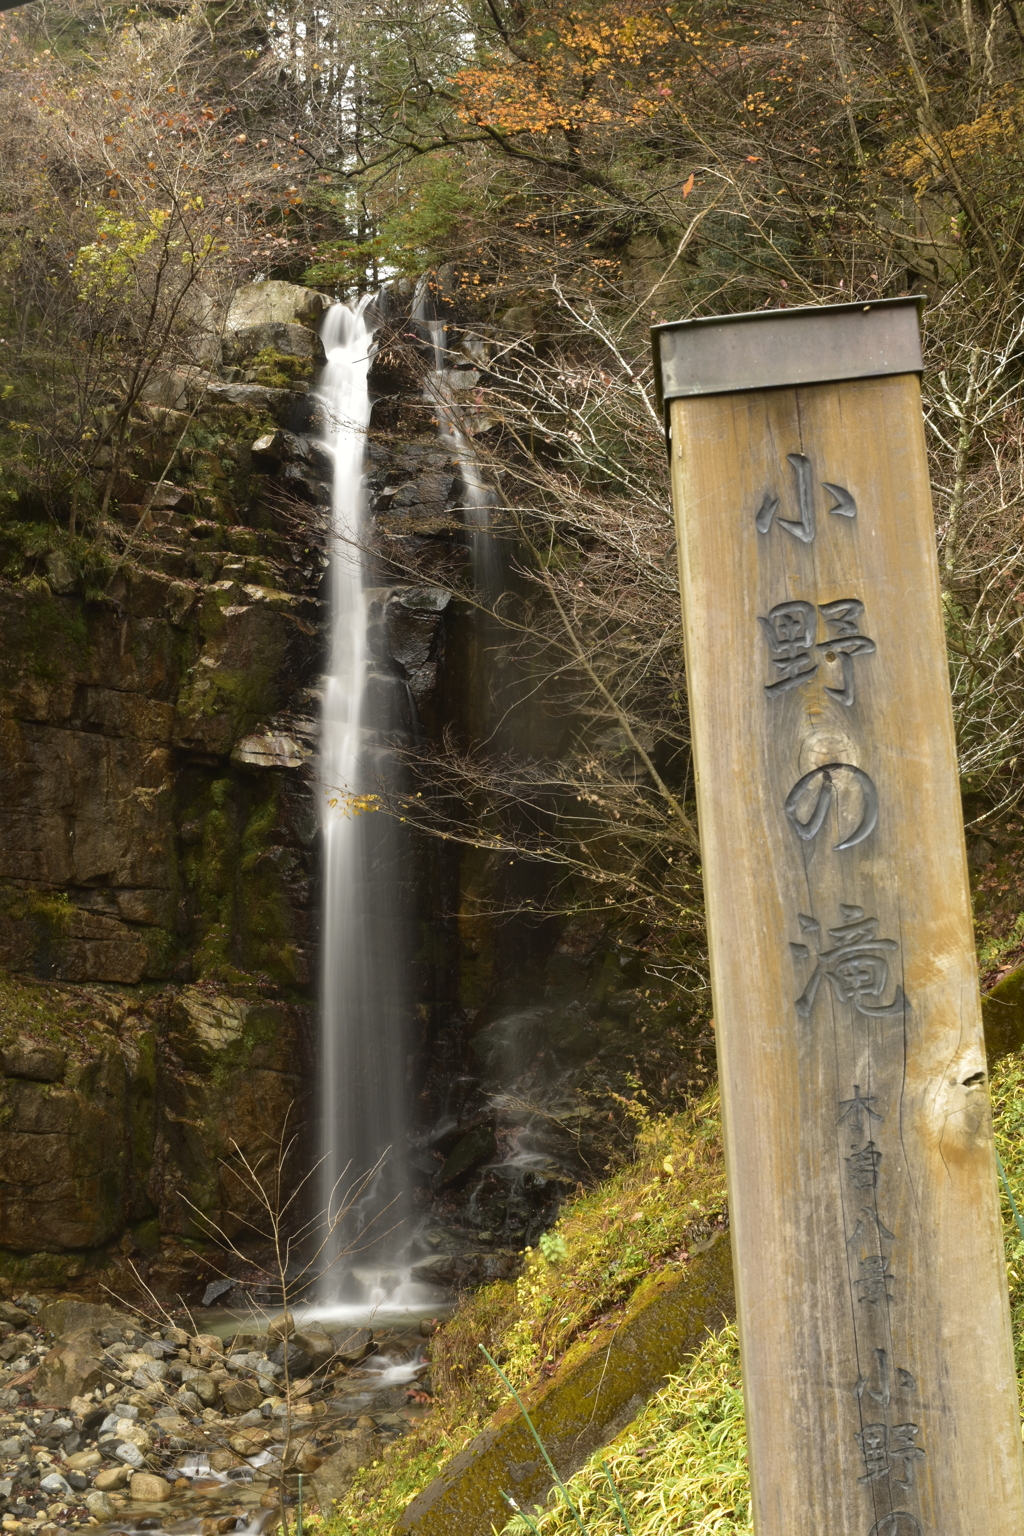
<point>462,1271</point>
<point>298,1360</point>
<point>214,1289</point>
<point>477,1146</point>
<point>354,1346</point>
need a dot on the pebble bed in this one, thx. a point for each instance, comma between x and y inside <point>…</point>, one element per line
<point>192,1433</point>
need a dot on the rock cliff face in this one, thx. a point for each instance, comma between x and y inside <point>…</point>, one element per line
<point>157,822</point>
<point>158,831</point>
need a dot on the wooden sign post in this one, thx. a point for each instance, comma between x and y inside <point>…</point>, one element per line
<point>874,1323</point>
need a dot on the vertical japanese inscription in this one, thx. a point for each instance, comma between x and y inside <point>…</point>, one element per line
<point>855,961</point>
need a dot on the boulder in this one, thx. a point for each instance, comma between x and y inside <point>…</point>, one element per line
<point>281,1327</point>
<point>249,1442</point>
<point>223,1460</point>
<point>37,1060</point>
<point>16,1316</point>
<point>1002,1014</point>
<point>270,749</point>
<point>317,1344</point>
<point>254,397</point>
<point>275,336</point>
<point>72,1368</point>
<point>275,302</point>
<point>173,389</point>
<point>69,1315</point>
<point>201,1383</point>
<point>299,1363</point>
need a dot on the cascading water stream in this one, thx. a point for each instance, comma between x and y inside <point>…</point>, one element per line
<point>478,498</point>
<point>365,974</point>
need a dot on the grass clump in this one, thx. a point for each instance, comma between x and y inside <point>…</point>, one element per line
<point>680,1466</point>
<point>1008,1118</point>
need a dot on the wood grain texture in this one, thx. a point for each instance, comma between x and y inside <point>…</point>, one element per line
<point>871,1291</point>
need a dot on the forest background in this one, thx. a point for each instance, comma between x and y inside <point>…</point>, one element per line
<point>568,172</point>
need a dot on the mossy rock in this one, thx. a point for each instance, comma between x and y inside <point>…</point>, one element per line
<point>1002,1013</point>
<point>601,1384</point>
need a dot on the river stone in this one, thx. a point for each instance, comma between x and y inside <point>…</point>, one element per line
<point>148,1488</point>
<point>201,1383</point>
<point>144,1375</point>
<point>110,1478</point>
<point>83,1461</point>
<point>298,1360</point>
<point>57,1486</point>
<point>477,1146</point>
<point>250,1441</point>
<point>16,1316</point>
<point>158,1349</point>
<point>240,1396</point>
<point>98,1505</point>
<point>133,1433</point>
<point>317,1344</point>
<point>281,1327</point>
<point>130,1455</point>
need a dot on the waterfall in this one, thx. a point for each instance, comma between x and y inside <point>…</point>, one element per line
<point>478,498</point>
<point>366,1000</point>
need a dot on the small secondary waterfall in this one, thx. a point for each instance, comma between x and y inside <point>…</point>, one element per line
<point>365,974</point>
<point>478,498</point>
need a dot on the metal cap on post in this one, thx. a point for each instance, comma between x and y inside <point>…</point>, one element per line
<point>780,348</point>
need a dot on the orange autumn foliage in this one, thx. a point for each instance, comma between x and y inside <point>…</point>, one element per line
<point>615,65</point>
